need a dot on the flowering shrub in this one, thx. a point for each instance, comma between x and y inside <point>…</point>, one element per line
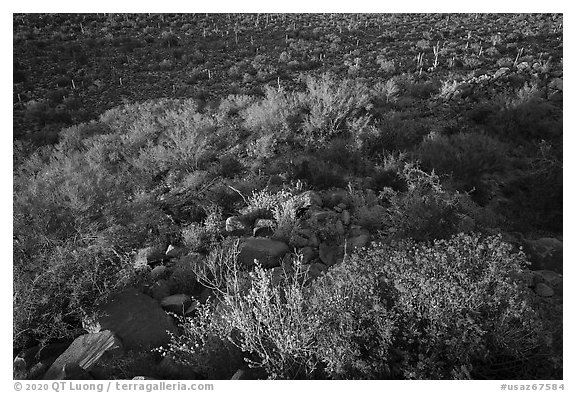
<point>450,309</point>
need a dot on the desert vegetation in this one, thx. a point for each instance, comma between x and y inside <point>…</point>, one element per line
<point>288,196</point>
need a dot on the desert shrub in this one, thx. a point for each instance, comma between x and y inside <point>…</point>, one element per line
<point>467,157</point>
<point>425,211</point>
<point>203,345</point>
<point>330,103</point>
<point>535,194</point>
<point>318,173</point>
<point>451,309</point>
<point>386,92</point>
<point>458,306</point>
<point>234,104</point>
<point>394,132</point>
<point>276,113</point>
<point>83,270</point>
<point>528,118</point>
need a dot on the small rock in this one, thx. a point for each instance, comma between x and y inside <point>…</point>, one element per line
<point>338,209</point>
<point>234,224</point>
<point>342,206</point>
<point>267,251</point>
<point>502,71</point>
<point>158,272</point>
<point>543,290</point>
<point>177,304</point>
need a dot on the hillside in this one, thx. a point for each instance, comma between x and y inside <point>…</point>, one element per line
<point>294,196</point>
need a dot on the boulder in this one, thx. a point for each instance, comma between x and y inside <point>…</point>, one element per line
<point>267,251</point>
<point>330,254</point>
<point>137,319</point>
<point>160,289</point>
<point>177,304</point>
<point>308,254</point>
<point>158,272</point>
<point>38,359</point>
<point>543,290</point>
<point>546,254</point>
<point>84,352</point>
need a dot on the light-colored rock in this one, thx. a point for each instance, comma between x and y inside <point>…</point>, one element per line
<point>268,252</point>
<point>84,352</point>
<point>176,251</point>
<point>234,224</point>
<point>177,304</point>
<point>501,72</point>
<point>137,319</point>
